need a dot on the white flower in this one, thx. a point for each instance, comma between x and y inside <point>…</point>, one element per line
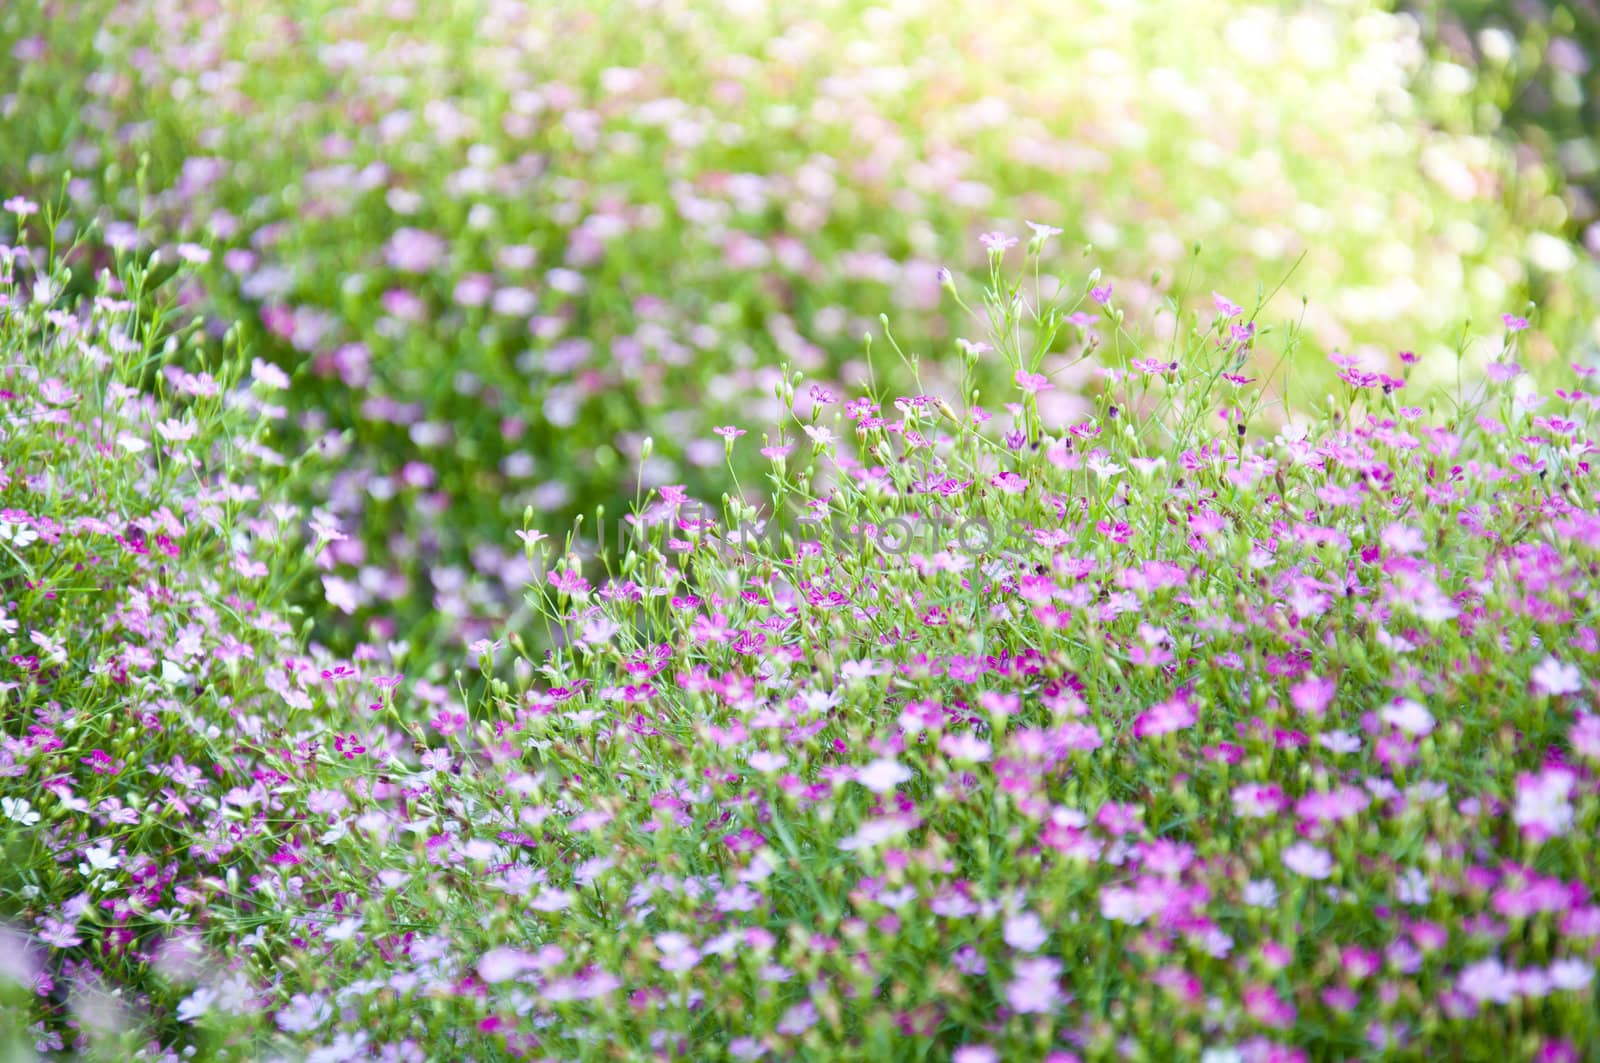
<point>18,810</point>
<point>598,630</point>
<point>16,534</point>
<point>1487,980</point>
<point>816,701</point>
<point>346,1047</point>
<point>1103,467</point>
<point>175,431</point>
<point>54,652</point>
<point>344,929</point>
<point>883,775</point>
<point>196,1004</point>
<point>1413,888</point>
<point>1222,1054</point>
<point>1260,893</point>
<point>873,833</point>
<point>1571,974</point>
<point>1544,806</point>
<point>99,858</point>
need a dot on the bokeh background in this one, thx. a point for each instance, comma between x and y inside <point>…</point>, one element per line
<point>498,246</point>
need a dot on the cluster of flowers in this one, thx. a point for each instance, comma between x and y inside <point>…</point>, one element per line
<point>1259,747</point>
<point>496,247</point>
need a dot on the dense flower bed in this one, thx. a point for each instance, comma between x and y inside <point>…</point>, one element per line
<point>988,734</point>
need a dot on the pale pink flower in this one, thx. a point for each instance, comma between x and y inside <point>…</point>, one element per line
<point>1034,989</point>
<point>1025,932</point>
<point>883,775</point>
<point>1410,717</point>
<point>1544,807</point>
<point>1555,679</point>
<point>1306,859</point>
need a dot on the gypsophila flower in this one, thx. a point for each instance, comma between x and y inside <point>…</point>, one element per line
<point>1305,859</point>
<point>997,243</point>
<point>1555,678</point>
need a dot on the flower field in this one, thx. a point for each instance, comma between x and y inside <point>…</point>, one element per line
<point>758,531</point>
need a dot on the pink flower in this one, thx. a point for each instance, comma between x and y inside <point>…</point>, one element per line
<point>965,747</point>
<point>1585,736</point>
<point>1225,307</point>
<point>1258,800</point>
<point>1403,539</point>
<point>415,251</point>
<point>1033,383</point>
<point>1312,696</point>
<point>997,243</point>
<point>1263,1004</point>
<point>1514,323</point>
<point>1009,482</point>
<point>1165,718</point>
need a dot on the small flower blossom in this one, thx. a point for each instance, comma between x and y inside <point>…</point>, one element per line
<point>1555,678</point>
<point>883,775</point>
<point>1305,859</point>
<point>997,243</point>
